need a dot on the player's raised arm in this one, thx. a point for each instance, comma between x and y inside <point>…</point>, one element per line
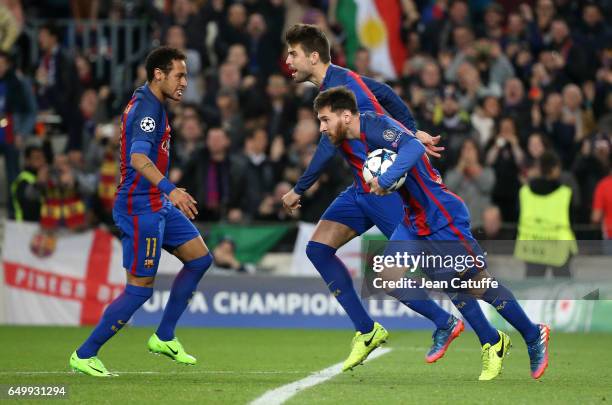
<point>322,156</point>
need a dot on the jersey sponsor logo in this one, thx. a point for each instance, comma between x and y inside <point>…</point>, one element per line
<point>389,135</point>
<point>147,124</point>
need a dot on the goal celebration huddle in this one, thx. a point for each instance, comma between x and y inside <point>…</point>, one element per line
<point>395,188</point>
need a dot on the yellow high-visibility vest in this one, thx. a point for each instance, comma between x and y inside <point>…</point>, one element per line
<point>545,235</point>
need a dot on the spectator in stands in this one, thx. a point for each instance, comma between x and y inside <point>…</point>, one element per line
<point>473,182</point>
<point>537,144</point>
<point>25,190</point>
<point>237,55</point>
<point>208,175</point>
<point>438,33</point>
<point>363,62</point>
<point>175,37</point>
<point>271,207</point>
<point>453,124</point>
<point>517,106</point>
<point>253,177</point>
<point>229,117</point>
<point>190,140</point>
<point>62,202</point>
<point>232,29</point>
<point>560,131</point>
<point>592,164</point>
<point>264,46</point>
<point>493,19</point>
<point>57,89</point>
<point>505,155</point>
<point>281,108</point>
<point>575,114</point>
<point>483,119</point>
<point>426,92</point>
<point>602,205</point>
<point>577,65</point>
<point>225,257</point>
<point>492,226</point>
<point>184,14</point>
<point>17,115</point>
<point>100,158</point>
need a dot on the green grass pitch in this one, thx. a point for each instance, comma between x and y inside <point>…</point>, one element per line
<point>238,365</point>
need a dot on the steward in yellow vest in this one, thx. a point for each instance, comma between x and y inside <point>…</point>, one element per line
<point>545,237</point>
<point>25,190</point>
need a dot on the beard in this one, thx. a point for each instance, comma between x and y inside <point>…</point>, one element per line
<point>339,134</point>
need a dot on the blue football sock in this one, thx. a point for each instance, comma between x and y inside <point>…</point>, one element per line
<point>419,301</point>
<point>115,316</point>
<point>506,305</point>
<point>471,312</point>
<point>339,282</point>
<point>183,288</point>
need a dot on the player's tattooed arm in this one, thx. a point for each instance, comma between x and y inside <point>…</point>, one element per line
<point>146,165</point>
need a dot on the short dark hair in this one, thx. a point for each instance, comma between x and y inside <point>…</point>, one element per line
<point>30,149</point>
<point>548,162</point>
<point>338,99</point>
<point>311,38</point>
<point>52,29</point>
<point>161,58</point>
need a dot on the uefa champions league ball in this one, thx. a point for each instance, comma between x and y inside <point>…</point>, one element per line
<point>377,162</point>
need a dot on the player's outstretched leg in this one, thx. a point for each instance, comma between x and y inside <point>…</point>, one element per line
<point>369,334</point>
<point>493,357</point>
<point>85,359</point>
<point>538,352</point>
<point>536,336</point>
<point>163,340</point>
<point>487,334</point>
<point>340,283</point>
<point>448,327</point>
<point>363,344</point>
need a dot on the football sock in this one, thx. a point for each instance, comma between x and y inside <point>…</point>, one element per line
<point>419,301</point>
<point>183,288</point>
<point>506,305</point>
<point>115,316</point>
<point>472,313</point>
<point>339,282</point>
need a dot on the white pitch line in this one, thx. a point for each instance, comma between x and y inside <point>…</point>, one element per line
<point>281,394</point>
<point>161,372</point>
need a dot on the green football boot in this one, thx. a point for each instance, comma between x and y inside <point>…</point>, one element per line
<point>493,357</point>
<point>91,366</point>
<point>363,344</point>
<point>171,348</point>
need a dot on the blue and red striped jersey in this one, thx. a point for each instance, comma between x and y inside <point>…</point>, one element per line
<point>144,119</point>
<point>371,96</point>
<point>428,204</point>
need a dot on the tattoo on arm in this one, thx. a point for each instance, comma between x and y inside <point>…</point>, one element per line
<point>148,164</point>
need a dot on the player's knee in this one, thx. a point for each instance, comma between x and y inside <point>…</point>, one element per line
<point>201,264</point>
<point>144,293</point>
<point>318,252</point>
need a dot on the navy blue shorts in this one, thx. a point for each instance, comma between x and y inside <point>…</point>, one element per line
<point>454,240</point>
<point>361,211</point>
<point>143,237</point>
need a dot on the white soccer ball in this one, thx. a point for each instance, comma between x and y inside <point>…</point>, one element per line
<point>377,162</point>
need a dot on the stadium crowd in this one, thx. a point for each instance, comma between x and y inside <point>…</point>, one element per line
<point>503,83</point>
